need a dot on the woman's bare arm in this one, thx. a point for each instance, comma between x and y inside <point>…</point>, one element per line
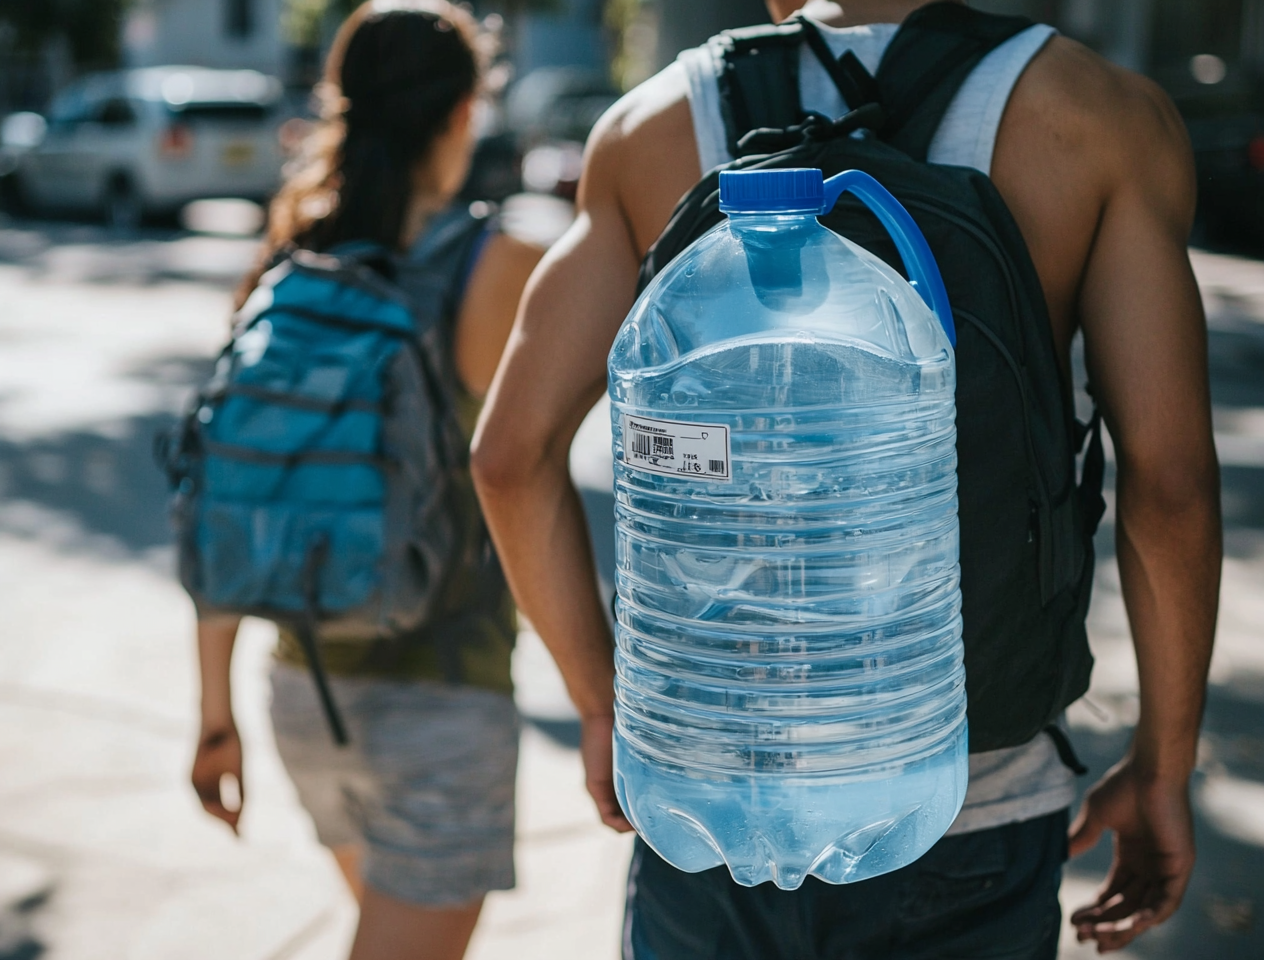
<point>219,747</point>
<point>487,313</point>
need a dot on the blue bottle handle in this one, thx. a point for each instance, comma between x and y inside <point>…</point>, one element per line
<point>920,263</point>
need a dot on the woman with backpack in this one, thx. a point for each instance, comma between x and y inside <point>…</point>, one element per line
<point>418,808</point>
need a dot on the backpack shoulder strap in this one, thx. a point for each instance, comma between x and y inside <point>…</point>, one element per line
<point>926,63</point>
<point>434,272</point>
<point>759,79</point>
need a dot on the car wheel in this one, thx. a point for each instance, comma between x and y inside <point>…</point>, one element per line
<point>122,208</point>
<point>12,199</point>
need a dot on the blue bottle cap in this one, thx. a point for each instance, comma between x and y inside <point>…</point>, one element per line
<point>797,190</point>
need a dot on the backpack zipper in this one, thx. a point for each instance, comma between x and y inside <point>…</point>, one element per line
<point>930,205</point>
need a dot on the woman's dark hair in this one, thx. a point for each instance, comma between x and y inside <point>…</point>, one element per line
<point>395,72</point>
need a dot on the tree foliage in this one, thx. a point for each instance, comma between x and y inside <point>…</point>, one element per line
<point>91,28</point>
<point>306,20</point>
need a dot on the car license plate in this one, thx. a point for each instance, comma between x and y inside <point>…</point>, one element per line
<point>237,154</point>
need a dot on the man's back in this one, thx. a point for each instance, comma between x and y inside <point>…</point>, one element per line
<point>1095,167</point>
<point>1078,132</point>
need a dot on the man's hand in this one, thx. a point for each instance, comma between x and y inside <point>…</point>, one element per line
<point>219,753</point>
<point>1154,854</point>
<point>596,747</point>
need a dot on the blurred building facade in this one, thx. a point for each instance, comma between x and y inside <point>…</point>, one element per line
<point>1208,54</point>
<point>687,24</point>
<point>230,34</point>
<point>568,33</point>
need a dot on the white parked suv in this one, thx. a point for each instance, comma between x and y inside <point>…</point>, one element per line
<point>131,142</point>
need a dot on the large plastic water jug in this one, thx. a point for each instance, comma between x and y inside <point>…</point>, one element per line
<point>790,692</point>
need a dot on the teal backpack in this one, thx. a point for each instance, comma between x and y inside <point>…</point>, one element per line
<point>314,476</point>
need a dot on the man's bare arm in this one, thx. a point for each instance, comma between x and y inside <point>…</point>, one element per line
<point>553,371</point>
<point>1146,347</point>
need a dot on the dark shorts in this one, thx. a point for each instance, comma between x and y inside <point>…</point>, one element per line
<point>991,894</point>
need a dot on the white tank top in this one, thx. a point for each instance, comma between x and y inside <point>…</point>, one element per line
<point>966,136</point>
<point>1018,783</point>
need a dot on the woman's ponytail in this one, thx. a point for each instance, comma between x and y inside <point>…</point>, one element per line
<point>395,73</point>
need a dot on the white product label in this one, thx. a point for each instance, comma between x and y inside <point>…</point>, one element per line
<point>677,449</point>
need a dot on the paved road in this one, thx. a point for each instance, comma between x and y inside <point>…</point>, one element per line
<point>103,850</point>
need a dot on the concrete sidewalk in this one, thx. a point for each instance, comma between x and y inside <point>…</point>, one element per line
<point>96,817</point>
<point>104,852</point>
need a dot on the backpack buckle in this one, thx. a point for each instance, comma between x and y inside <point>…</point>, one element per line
<point>815,127</point>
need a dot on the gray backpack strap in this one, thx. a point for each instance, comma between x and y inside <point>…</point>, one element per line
<point>436,269</point>
<point>433,276</point>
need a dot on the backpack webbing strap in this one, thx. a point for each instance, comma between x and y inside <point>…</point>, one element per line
<point>926,63</point>
<point>759,81</point>
<point>305,628</point>
<point>1093,475</point>
<point>856,85</point>
<point>1066,752</point>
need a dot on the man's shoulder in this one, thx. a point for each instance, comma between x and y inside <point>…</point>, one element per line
<point>643,156</point>
<point>648,110</point>
<point>1078,102</point>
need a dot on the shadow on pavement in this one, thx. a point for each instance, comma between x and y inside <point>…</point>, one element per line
<point>1220,915</point>
<point>85,253</point>
<point>1242,498</point>
<point>1236,358</point>
<point>565,733</point>
<point>109,484</point>
<point>599,509</point>
<point>16,939</point>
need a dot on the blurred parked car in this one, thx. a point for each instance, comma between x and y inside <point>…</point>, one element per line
<point>557,103</point>
<point>128,143</point>
<point>550,113</point>
<point>554,167</point>
<point>495,170</point>
<point>1229,153</point>
<point>19,132</point>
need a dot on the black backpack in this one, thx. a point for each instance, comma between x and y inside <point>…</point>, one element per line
<point>1026,526</point>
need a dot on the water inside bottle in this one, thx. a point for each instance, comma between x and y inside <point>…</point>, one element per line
<point>790,688</point>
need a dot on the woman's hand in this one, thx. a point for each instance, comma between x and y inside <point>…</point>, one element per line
<point>219,747</point>
<point>219,754</point>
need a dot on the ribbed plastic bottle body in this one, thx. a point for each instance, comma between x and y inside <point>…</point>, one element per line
<point>790,688</point>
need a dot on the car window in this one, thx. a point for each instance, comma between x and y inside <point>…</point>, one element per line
<point>116,112</point>
<point>72,107</point>
<point>223,112</point>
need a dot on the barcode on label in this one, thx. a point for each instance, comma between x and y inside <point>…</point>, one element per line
<point>677,448</point>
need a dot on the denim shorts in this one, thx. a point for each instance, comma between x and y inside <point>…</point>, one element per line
<point>426,784</point>
<point>991,894</point>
